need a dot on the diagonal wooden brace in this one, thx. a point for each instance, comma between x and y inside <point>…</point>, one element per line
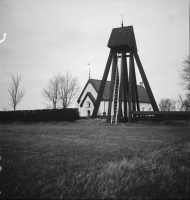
<point>136,91</point>
<point>121,86</point>
<point>131,64</point>
<point>145,80</point>
<point>114,64</point>
<point>102,85</point>
<point>125,82</point>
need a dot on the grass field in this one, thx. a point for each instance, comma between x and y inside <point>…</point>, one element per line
<point>93,159</point>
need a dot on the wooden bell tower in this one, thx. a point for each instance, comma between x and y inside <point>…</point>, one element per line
<point>123,87</point>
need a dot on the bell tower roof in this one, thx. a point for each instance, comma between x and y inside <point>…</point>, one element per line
<point>122,38</point>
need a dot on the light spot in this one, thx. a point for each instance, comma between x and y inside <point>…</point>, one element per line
<point>4,36</point>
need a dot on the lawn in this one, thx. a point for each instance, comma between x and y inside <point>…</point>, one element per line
<point>93,159</point>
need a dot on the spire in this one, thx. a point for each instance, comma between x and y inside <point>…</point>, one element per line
<point>89,69</point>
<point>122,20</point>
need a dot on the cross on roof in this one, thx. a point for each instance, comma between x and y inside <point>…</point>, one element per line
<point>122,20</point>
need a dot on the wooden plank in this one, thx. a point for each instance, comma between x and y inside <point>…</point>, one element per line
<point>102,85</point>
<point>125,86</point>
<point>121,89</point>
<point>130,86</point>
<point>136,91</point>
<point>161,113</point>
<point>166,115</point>
<point>114,64</point>
<point>145,80</point>
<point>133,86</point>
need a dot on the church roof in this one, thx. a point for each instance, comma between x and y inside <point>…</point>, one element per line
<point>142,93</point>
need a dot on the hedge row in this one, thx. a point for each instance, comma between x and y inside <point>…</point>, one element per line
<point>46,115</point>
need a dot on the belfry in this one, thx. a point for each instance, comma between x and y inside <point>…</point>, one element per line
<point>123,97</point>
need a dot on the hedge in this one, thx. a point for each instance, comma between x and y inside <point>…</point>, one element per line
<point>45,115</point>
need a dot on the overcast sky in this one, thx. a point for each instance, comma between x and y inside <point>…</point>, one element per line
<point>45,37</point>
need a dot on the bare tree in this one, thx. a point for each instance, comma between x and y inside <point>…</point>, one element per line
<point>16,94</point>
<point>184,104</point>
<point>69,88</point>
<point>167,104</point>
<point>51,92</point>
<point>185,74</point>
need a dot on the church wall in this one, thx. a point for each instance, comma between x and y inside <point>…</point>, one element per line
<point>87,107</point>
<point>90,89</point>
<point>145,106</point>
<point>104,107</point>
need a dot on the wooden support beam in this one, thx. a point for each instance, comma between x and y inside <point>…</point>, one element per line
<point>136,91</point>
<point>114,64</point>
<point>102,85</point>
<point>125,86</point>
<point>133,85</point>
<point>145,80</point>
<point>121,88</point>
<point>130,86</point>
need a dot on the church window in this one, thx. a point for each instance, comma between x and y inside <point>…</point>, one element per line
<point>88,104</point>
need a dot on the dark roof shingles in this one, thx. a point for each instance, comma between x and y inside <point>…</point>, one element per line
<point>123,36</point>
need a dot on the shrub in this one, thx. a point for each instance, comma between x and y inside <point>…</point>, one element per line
<point>46,115</point>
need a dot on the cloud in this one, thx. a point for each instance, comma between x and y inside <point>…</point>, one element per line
<point>4,36</point>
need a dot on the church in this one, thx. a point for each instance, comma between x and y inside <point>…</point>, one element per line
<point>89,94</point>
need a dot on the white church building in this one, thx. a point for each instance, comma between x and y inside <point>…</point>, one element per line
<point>89,94</point>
